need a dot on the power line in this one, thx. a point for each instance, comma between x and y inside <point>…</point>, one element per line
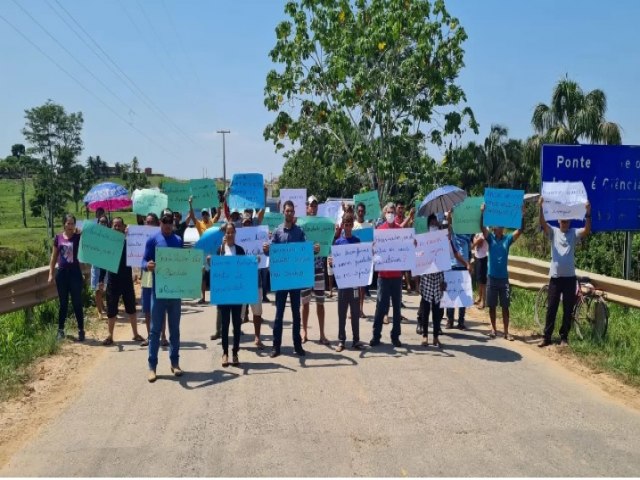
<point>81,85</point>
<point>133,85</point>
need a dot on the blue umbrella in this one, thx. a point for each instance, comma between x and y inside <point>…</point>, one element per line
<point>107,195</point>
<point>441,200</point>
<point>210,240</point>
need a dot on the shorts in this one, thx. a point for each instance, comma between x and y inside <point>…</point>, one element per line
<point>498,289</point>
<point>147,293</point>
<point>481,270</point>
<point>318,288</point>
<point>256,308</point>
<point>118,289</point>
<point>95,278</point>
<point>206,279</point>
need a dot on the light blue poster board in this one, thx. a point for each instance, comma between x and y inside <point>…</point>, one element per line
<point>210,240</point>
<point>101,246</point>
<point>247,191</point>
<point>503,207</point>
<point>149,201</point>
<point>291,265</point>
<point>234,280</point>
<point>204,193</point>
<point>364,234</point>
<point>178,272</point>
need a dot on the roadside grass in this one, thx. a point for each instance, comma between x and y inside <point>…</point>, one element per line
<point>618,353</point>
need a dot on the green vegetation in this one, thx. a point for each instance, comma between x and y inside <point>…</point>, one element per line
<point>618,353</point>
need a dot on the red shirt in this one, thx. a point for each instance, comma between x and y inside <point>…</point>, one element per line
<point>391,273</point>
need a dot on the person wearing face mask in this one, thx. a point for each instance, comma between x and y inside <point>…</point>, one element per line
<point>498,275</point>
<point>389,290</point>
<point>431,287</point>
<point>562,273</point>
<point>120,284</point>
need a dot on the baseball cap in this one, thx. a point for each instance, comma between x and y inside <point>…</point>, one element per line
<point>204,210</point>
<point>311,199</point>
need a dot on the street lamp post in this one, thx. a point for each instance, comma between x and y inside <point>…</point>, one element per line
<point>224,160</point>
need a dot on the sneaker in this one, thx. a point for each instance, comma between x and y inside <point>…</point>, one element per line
<point>177,371</point>
<point>275,353</point>
<point>81,336</point>
<point>396,343</point>
<point>151,376</point>
<point>299,351</point>
<point>60,335</point>
<point>340,347</point>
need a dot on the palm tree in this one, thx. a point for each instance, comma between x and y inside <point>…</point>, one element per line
<point>574,117</point>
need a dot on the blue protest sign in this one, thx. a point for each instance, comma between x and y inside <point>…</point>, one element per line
<point>503,207</point>
<point>247,191</point>
<point>611,176</point>
<point>210,240</point>
<point>291,265</point>
<point>234,280</point>
<point>364,234</point>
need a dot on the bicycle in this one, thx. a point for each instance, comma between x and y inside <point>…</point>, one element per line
<point>590,315</point>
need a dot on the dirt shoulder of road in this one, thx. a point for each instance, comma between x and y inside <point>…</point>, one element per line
<point>573,364</point>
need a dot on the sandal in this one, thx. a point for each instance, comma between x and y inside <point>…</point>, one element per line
<point>145,343</point>
<point>492,334</point>
<point>259,345</point>
<point>138,338</point>
<point>107,341</point>
<point>340,347</point>
<point>509,337</point>
<point>304,339</point>
<point>164,343</point>
<point>325,341</point>
<point>425,342</point>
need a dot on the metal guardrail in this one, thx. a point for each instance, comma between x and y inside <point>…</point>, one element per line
<point>28,289</point>
<point>532,274</point>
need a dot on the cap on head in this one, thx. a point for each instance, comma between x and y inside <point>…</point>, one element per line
<point>311,199</point>
<point>204,210</point>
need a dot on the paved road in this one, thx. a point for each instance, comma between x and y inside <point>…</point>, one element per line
<point>479,407</point>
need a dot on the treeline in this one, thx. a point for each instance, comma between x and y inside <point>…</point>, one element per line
<point>51,160</point>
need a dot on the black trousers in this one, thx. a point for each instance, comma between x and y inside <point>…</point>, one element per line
<point>565,286</point>
<point>233,313</point>
<point>433,308</point>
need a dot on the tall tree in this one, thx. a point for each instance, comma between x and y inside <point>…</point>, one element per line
<point>378,76</point>
<point>55,136</point>
<point>133,176</point>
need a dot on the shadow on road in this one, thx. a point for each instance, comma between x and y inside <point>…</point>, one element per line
<point>487,352</point>
<point>337,360</point>
<point>249,368</point>
<point>197,380</point>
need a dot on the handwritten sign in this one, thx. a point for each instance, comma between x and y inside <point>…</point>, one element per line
<point>137,237</point>
<point>394,249</point>
<point>319,230</point>
<point>503,207</point>
<point>291,265</point>
<point>564,200</point>
<point>234,280</point>
<point>332,209</point>
<point>364,234</point>
<point>272,220</point>
<point>371,202</point>
<point>432,253</point>
<point>466,216</point>
<point>204,193</point>
<point>252,240</point>
<point>178,194</point>
<point>352,264</point>
<point>149,201</point>
<point>101,246</point>
<point>247,191</point>
<point>299,198</point>
<point>459,292</point>
<point>178,272</point>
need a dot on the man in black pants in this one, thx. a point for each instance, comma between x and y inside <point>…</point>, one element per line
<point>120,284</point>
<point>562,273</point>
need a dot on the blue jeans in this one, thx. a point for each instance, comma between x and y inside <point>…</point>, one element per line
<point>281,300</point>
<point>69,281</point>
<point>160,306</point>
<point>389,289</point>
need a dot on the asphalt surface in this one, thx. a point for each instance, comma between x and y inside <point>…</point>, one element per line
<point>478,407</point>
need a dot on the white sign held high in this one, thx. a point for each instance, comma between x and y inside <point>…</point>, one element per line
<point>432,253</point>
<point>564,200</point>
<point>299,198</point>
<point>394,249</point>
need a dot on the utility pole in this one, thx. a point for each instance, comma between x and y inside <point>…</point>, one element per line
<point>224,160</point>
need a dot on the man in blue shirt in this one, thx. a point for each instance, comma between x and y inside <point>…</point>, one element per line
<point>160,306</point>
<point>287,232</point>
<point>498,276</point>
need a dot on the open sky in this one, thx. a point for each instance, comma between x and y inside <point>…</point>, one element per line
<point>177,71</point>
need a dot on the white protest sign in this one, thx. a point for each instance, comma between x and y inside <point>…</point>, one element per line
<point>251,239</point>
<point>299,198</point>
<point>352,264</point>
<point>564,200</point>
<point>332,209</point>
<point>137,236</point>
<point>394,249</point>
<point>459,292</point>
<point>432,253</point>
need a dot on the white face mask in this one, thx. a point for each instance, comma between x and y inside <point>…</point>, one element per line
<point>433,228</point>
<point>390,217</point>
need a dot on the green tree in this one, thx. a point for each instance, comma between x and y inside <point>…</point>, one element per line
<point>133,176</point>
<point>55,136</point>
<point>378,76</point>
